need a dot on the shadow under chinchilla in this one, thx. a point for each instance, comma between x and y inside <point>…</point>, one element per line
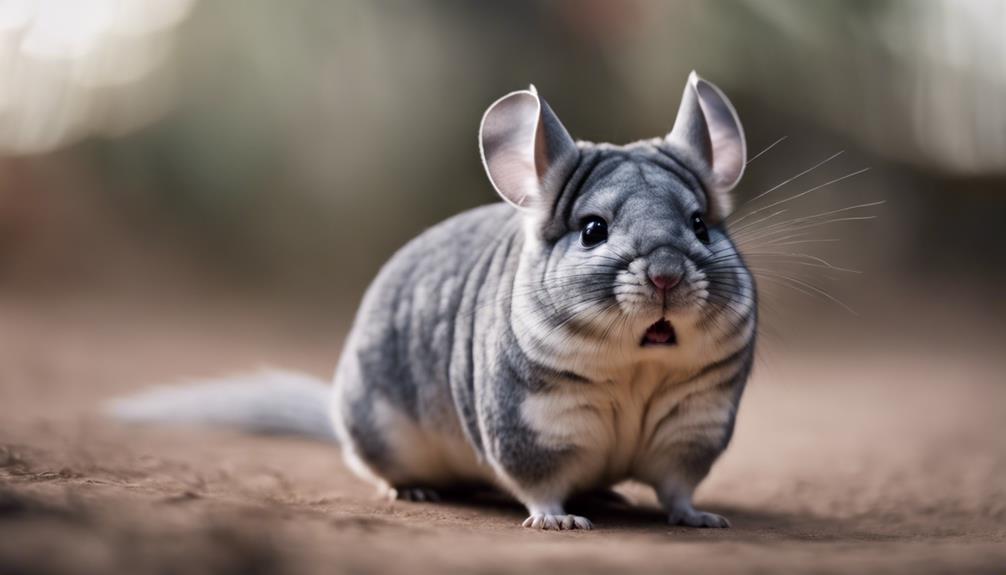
<point>614,511</point>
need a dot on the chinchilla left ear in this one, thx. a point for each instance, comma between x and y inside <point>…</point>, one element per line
<point>526,151</point>
<point>708,135</point>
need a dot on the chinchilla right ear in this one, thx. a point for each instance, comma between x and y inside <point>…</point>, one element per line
<point>526,151</point>
<point>708,135</point>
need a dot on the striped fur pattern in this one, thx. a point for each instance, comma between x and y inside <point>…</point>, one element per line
<point>497,348</point>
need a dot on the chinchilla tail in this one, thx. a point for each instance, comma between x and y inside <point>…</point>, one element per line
<point>274,402</point>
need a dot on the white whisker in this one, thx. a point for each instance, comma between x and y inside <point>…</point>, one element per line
<point>788,180</point>
<point>770,146</point>
<point>785,228</point>
<point>804,193</point>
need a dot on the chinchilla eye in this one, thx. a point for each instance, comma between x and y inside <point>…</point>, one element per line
<point>593,231</point>
<point>699,226</point>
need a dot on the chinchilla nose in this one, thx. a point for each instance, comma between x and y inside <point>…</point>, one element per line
<point>664,282</point>
<point>666,269</point>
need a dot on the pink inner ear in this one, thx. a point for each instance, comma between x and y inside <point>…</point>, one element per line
<point>507,141</point>
<point>728,159</point>
<point>726,135</point>
<point>526,151</point>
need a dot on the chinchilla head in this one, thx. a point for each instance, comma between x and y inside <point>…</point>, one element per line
<point>626,256</point>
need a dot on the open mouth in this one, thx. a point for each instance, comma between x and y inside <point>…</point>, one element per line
<point>660,333</point>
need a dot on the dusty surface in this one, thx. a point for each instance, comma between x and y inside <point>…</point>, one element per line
<point>882,461</point>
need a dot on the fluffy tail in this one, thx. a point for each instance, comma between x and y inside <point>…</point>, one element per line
<point>270,401</point>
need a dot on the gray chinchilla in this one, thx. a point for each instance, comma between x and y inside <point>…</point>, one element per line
<point>596,326</point>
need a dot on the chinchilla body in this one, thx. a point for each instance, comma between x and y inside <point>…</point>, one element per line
<point>598,326</point>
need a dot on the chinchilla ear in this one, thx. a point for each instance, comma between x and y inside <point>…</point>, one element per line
<point>708,135</point>
<point>526,151</point>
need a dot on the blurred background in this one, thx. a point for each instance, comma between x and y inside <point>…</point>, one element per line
<point>281,151</point>
<point>191,188</point>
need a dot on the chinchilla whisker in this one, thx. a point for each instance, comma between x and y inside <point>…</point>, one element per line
<point>794,261</point>
<point>742,230</point>
<point>798,242</point>
<point>778,235</point>
<point>816,273</point>
<point>739,231</point>
<point>770,146</point>
<point>813,267</point>
<point>774,241</point>
<point>796,223</point>
<point>786,227</point>
<point>790,179</point>
<point>804,193</point>
<point>811,257</point>
<point>783,278</point>
<point>784,283</point>
<point>809,217</point>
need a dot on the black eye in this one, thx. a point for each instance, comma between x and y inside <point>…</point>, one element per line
<point>594,231</point>
<point>699,226</point>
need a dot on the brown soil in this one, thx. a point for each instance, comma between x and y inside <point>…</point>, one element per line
<point>880,461</point>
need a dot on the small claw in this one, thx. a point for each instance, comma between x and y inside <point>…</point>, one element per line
<point>548,522</point>
<point>723,522</point>
<point>692,518</point>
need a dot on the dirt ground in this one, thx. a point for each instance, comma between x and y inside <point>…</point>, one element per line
<point>870,460</point>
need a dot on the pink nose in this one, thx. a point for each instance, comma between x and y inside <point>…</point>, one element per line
<point>665,282</point>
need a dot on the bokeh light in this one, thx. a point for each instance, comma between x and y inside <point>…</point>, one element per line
<point>74,68</point>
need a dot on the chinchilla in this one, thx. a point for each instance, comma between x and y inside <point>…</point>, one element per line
<point>597,325</point>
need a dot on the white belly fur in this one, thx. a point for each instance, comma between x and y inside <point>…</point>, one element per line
<point>614,423</point>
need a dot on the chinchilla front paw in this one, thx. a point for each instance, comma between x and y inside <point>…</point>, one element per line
<point>551,522</point>
<point>689,517</point>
